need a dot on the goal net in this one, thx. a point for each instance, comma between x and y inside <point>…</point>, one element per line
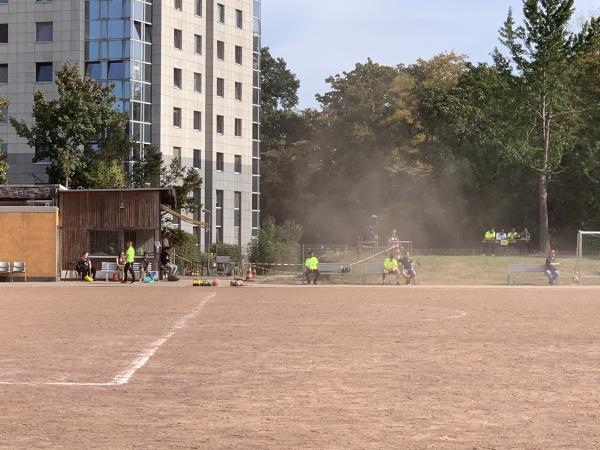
<point>587,263</point>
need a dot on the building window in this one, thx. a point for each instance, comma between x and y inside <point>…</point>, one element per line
<point>239,18</point>
<point>220,124</point>
<point>220,162</point>
<point>219,215</point>
<point>197,44</point>
<point>116,71</point>
<point>43,72</point>
<point>43,31</point>
<point>238,54</point>
<point>197,159</point>
<point>255,202</point>
<point>198,7</point>
<point>3,73</point>
<point>3,115</point>
<point>255,162</point>
<point>237,163</point>
<point>197,82</point>
<point>220,87</point>
<point>220,13</point>
<point>177,117</point>
<point>177,78</point>
<point>238,127</point>
<point>177,39</point>
<point>177,154</point>
<point>238,91</point>
<point>3,33</point>
<point>178,5</point>
<point>197,120</point>
<point>221,50</point>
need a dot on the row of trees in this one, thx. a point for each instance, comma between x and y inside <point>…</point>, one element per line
<point>445,148</point>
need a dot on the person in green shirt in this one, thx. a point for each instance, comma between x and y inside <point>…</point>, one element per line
<point>489,242</point>
<point>130,258</point>
<point>390,266</point>
<point>311,266</point>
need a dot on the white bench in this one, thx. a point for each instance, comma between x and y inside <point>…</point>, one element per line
<point>524,268</point>
<point>109,268</point>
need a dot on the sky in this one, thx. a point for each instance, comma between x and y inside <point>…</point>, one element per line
<point>319,38</point>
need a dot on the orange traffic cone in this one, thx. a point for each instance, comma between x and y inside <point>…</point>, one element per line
<point>250,274</point>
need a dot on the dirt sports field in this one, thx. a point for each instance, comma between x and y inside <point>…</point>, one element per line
<point>299,367</point>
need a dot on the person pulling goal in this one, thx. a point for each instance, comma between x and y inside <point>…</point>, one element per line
<point>408,269</point>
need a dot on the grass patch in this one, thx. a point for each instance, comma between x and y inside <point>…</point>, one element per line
<point>451,270</point>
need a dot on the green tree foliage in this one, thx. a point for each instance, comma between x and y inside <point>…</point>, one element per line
<point>104,174</point>
<point>540,53</point>
<point>3,162</point>
<point>444,148</point>
<point>146,172</point>
<point>184,181</point>
<point>186,245</point>
<point>283,131</point>
<point>276,242</point>
<point>79,126</point>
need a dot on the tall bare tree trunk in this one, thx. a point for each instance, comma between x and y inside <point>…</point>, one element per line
<point>543,199</point>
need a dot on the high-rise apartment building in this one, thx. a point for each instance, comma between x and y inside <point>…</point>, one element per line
<point>187,73</point>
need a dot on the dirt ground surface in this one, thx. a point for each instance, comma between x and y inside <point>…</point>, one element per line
<point>299,367</point>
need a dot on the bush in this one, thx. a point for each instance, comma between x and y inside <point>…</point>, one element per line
<point>276,243</point>
<point>186,245</point>
<point>230,250</point>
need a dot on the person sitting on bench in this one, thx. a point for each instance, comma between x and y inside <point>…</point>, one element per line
<point>311,265</point>
<point>85,267</point>
<point>145,266</point>
<point>552,266</point>
<point>408,269</point>
<point>390,266</point>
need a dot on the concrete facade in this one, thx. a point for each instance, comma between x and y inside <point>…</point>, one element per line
<point>148,88</point>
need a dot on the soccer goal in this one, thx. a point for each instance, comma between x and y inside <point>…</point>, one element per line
<point>587,263</point>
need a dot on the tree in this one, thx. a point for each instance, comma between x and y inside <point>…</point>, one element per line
<point>146,172</point>
<point>275,242</point>
<point>3,162</point>
<point>184,181</point>
<point>73,129</point>
<point>102,174</point>
<point>544,126</point>
<point>283,129</point>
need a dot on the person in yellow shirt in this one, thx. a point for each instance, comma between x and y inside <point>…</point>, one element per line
<point>129,259</point>
<point>390,266</point>
<point>311,266</point>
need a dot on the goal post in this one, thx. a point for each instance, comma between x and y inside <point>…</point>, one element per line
<point>587,258</point>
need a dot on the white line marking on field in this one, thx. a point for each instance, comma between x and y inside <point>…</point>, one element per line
<point>139,362</point>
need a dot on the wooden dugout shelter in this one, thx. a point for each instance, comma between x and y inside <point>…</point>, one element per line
<point>102,221</point>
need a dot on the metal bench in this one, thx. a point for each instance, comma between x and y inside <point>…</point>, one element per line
<point>524,268</point>
<point>331,269</point>
<point>108,268</point>
<point>371,268</point>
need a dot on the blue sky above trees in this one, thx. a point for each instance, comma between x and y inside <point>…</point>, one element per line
<point>319,38</point>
